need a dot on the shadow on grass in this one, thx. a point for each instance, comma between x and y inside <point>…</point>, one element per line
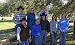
<point>6,30</point>
<point>6,35</point>
<point>6,21</point>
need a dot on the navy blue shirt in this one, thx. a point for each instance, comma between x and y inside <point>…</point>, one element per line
<point>31,19</point>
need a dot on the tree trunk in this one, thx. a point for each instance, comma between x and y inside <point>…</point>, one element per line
<point>74,31</point>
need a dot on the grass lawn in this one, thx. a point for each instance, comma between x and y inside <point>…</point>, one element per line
<point>6,25</point>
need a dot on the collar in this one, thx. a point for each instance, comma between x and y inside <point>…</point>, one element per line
<point>20,13</point>
<point>36,24</point>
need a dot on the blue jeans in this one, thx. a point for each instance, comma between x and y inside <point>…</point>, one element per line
<point>24,43</point>
<point>43,37</point>
<point>53,38</point>
<point>16,26</point>
<point>63,38</point>
<point>36,41</point>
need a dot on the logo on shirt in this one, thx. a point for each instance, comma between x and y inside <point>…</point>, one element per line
<point>63,21</point>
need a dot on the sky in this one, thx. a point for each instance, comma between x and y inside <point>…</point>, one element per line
<point>2,1</point>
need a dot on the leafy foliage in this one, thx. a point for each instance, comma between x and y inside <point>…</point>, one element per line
<point>6,9</point>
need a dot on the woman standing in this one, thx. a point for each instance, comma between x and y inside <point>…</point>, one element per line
<point>53,29</point>
<point>63,26</point>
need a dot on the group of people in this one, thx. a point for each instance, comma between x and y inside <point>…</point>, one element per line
<point>38,29</point>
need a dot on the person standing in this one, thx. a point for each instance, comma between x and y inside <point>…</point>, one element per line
<point>36,33</point>
<point>45,27</point>
<point>17,17</point>
<point>53,29</point>
<point>43,11</point>
<point>23,33</point>
<point>63,26</point>
<point>31,18</point>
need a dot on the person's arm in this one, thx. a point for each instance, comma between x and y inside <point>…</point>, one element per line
<point>47,15</point>
<point>39,15</point>
<point>51,27</point>
<point>28,17</point>
<point>33,31</point>
<point>25,16</point>
<point>33,20</point>
<point>59,25</point>
<point>48,26</point>
<point>34,17</point>
<point>18,33</point>
<point>66,26</point>
<point>14,19</point>
<point>40,29</point>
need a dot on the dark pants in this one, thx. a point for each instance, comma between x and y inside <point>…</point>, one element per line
<point>63,38</point>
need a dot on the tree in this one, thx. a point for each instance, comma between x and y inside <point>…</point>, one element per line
<point>57,8</point>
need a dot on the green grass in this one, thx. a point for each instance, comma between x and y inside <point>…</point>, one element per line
<point>4,25</point>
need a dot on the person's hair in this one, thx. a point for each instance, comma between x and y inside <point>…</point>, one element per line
<point>64,15</point>
<point>42,19</point>
<point>55,16</point>
<point>43,14</point>
<point>43,7</point>
<point>23,19</point>
<point>32,8</point>
<point>37,19</point>
<point>20,7</point>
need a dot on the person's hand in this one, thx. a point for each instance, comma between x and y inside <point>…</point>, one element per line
<point>29,40</point>
<point>62,30</point>
<point>19,41</point>
<point>52,33</point>
<point>46,33</point>
<point>37,36</point>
